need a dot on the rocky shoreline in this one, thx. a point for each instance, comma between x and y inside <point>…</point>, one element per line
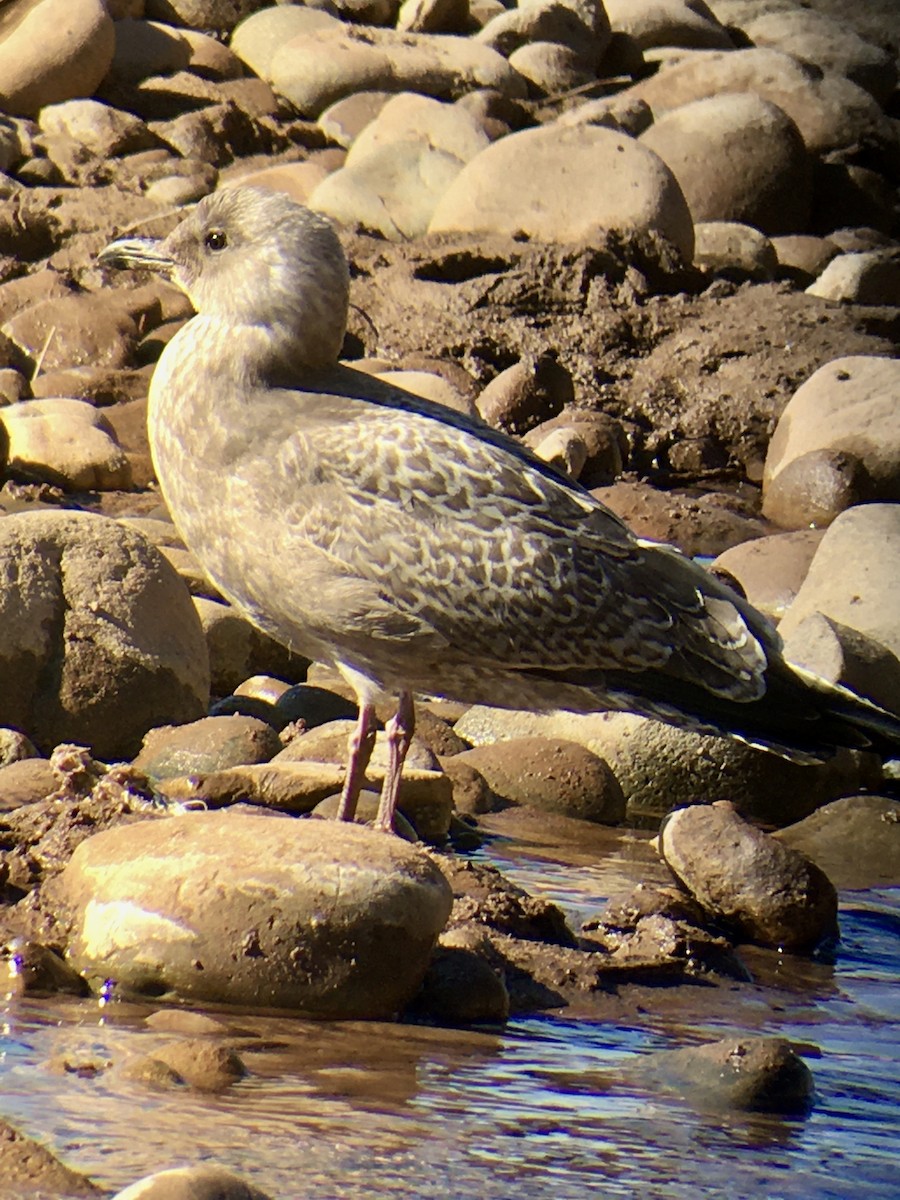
<point>658,242</point>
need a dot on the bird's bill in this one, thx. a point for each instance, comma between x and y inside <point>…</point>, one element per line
<point>136,254</point>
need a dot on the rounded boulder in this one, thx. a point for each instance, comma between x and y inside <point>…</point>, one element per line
<point>99,640</point>
<point>737,157</point>
<point>52,50</point>
<point>766,892</point>
<point>565,184</point>
<point>329,919</point>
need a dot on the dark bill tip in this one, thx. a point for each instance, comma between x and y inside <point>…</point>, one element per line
<point>135,254</point>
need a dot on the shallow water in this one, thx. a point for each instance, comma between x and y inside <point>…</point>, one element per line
<point>549,1107</point>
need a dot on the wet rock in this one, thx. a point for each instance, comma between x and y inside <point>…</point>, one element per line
<point>526,394</point>
<point>660,768</point>
<point>317,68</point>
<point>852,577</point>
<point>738,158</point>
<point>486,897</point>
<point>210,744</point>
<point>842,655</point>
<point>658,934</point>
<point>733,251</point>
<point>745,879</point>
<point>25,783</point>
<point>829,110</point>
<point>192,1183</point>
<point>340,921</point>
<point>746,1074</point>
<point>555,775</point>
<point>871,278</point>
<point>204,1065</point>
<point>854,840</point>
<point>27,1168</point>
<point>847,405</point>
<point>400,165</point>
<point>99,640</point>
<point>52,51</point>
<point>612,182</point>
<point>189,1024</point>
<point>65,442</point>
<point>153,1074</point>
<point>688,23</point>
<point>813,489</point>
<point>461,988</point>
<point>769,571</point>
<point>35,969</point>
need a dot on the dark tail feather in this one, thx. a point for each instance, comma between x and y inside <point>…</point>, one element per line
<point>849,716</point>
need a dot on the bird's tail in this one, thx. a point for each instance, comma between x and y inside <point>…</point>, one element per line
<point>848,719</point>
<point>800,716</point>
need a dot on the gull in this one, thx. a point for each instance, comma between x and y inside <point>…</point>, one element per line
<point>418,550</point>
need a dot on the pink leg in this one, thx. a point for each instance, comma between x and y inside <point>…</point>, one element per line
<point>399,731</point>
<point>362,739</point>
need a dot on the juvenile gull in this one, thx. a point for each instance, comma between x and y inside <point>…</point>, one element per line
<point>416,549</point>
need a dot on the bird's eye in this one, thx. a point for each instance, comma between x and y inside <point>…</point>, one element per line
<point>215,240</point>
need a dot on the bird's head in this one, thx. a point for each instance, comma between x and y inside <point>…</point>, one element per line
<point>247,256</point>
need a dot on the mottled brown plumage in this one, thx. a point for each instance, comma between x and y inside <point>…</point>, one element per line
<point>416,549</point>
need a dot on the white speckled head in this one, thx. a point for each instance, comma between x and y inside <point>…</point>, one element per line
<point>251,257</point>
